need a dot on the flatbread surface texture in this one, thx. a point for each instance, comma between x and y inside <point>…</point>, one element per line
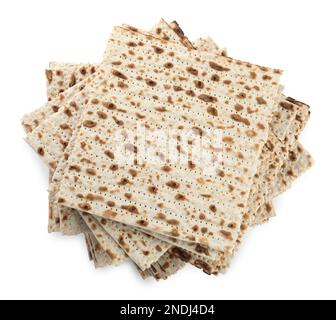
<point>121,77</point>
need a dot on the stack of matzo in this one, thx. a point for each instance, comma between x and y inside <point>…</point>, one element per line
<point>167,151</point>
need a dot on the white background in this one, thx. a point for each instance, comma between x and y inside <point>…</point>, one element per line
<point>293,256</point>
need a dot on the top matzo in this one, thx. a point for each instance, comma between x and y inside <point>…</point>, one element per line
<point>210,92</point>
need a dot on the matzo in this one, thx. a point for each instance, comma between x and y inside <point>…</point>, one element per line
<point>122,39</point>
<point>86,96</point>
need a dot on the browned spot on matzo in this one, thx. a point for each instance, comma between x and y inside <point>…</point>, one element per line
<point>251,133</point>
<point>261,100</point>
<point>190,93</point>
<point>83,71</point>
<point>173,222</point>
<point>118,122</point>
<point>55,108</point>
<point>40,151</point>
<point>68,112</point>
<point>192,71</point>
<point>166,169</point>
<point>84,206</point>
<point>111,204</point>
<point>119,74</point>
<point>199,84</point>
<point>239,107</point>
<point>238,118</point>
<point>226,234</point>
<point>114,167</point>
<point>182,254</point>
<point>132,44</point>
<point>253,75</point>
<point>75,168</point>
<point>261,126</point>
<point>207,98</point>
<point>133,173</point>
<point>266,77</point>
<point>286,105</point>
<point>161,109</point>
<point>180,197</point>
<point>168,65</point>
<point>151,83</point>
<point>110,154</point>
<point>131,209</point>
<point>160,216</point>
<point>173,184</point>
<point>94,197</point>
<point>228,140</point>
<point>64,126</point>
<point>213,208</point>
<point>109,214</point>
<point>269,145</point>
<point>177,88</point>
<point>91,172</point>
<point>212,111</point>
<point>153,190</point>
<point>73,80</point>
<point>217,67</point>
<point>142,223</point>
<point>123,182</point>
<point>241,95</point>
<point>158,50</point>
<point>110,105</point>
<point>215,78</point>
<point>89,124</point>
<point>61,200</point>
<point>49,75</point>
<point>102,115</point>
